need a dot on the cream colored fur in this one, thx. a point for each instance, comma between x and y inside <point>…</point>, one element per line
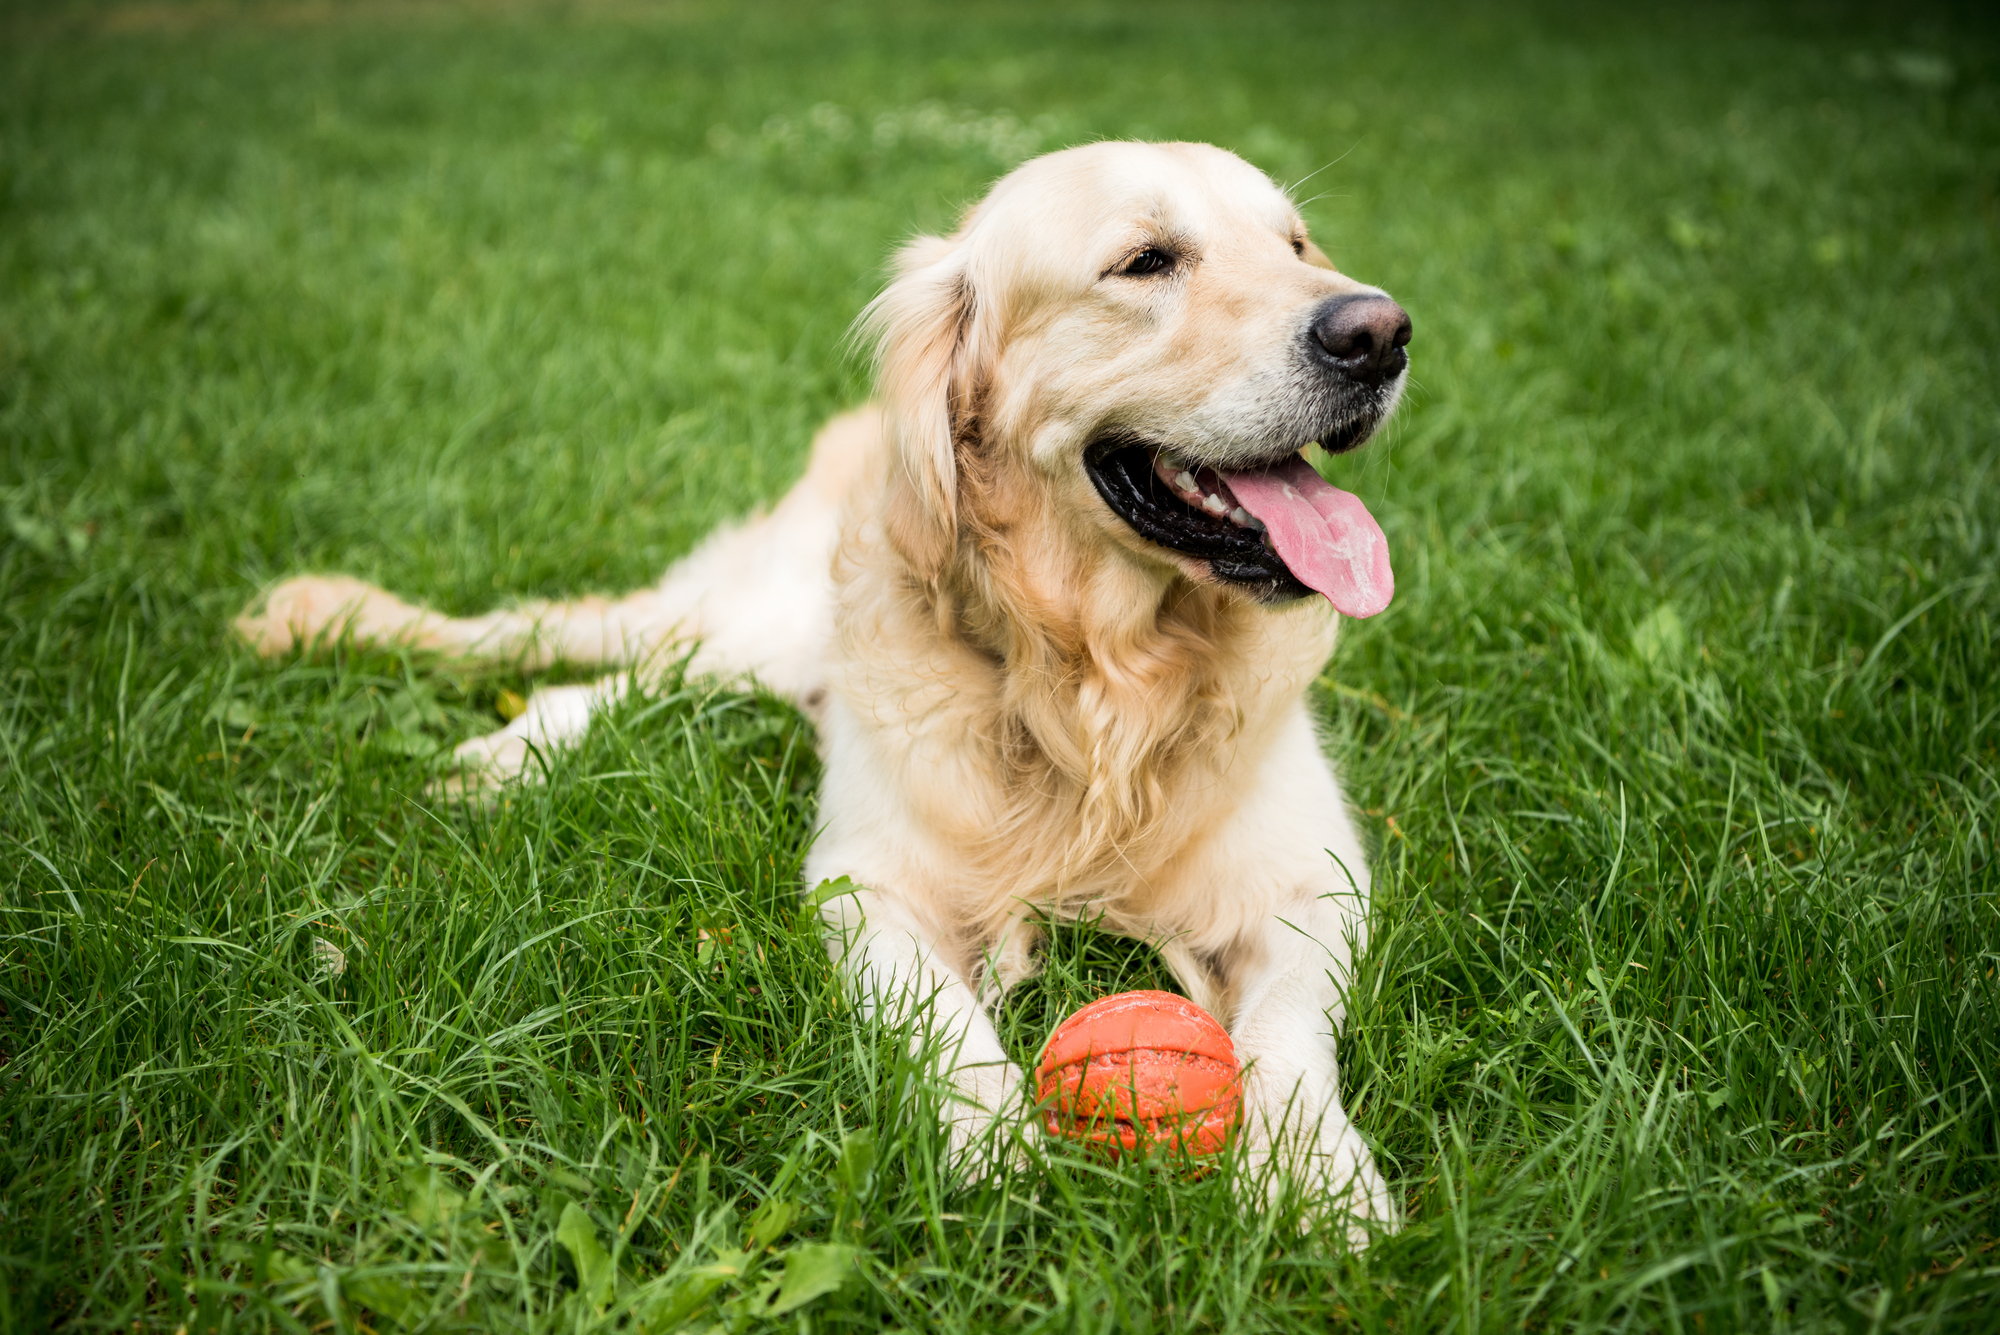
<point>1025,708</point>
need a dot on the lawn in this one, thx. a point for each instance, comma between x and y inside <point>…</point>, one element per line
<point>1677,750</point>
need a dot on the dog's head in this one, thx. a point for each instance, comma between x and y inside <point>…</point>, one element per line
<point>1147,334</point>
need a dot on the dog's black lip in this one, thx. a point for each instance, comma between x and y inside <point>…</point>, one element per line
<point>1121,468</point>
<point>1351,436</point>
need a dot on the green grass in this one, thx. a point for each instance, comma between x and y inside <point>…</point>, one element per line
<point>1678,747</point>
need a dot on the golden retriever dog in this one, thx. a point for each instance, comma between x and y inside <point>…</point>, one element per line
<point>1054,602</point>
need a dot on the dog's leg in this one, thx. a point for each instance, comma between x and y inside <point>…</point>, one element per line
<point>900,970</point>
<point>1008,959</point>
<point>1194,973</point>
<point>309,608</point>
<point>755,599</point>
<point>555,717</point>
<point>1288,1007</point>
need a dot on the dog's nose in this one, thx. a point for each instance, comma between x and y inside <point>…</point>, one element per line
<point>1363,337</point>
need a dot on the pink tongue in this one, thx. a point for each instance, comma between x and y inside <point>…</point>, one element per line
<point>1323,534</point>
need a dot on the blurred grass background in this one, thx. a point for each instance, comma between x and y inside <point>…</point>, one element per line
<point>1678,746</point>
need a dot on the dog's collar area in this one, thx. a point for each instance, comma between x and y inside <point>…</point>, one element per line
<point>1126,475</point>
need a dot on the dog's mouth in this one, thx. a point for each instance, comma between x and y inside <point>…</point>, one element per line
<point>1280,531</point>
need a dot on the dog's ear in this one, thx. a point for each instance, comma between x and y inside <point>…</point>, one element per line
<point>922,329</point>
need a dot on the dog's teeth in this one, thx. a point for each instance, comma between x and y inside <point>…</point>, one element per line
<point>1215,505</point>
<point>1184,480</point>
<point>1242,518</point>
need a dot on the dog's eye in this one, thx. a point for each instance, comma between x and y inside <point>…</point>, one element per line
<point>1299,246</point>
<point>1150,260</point>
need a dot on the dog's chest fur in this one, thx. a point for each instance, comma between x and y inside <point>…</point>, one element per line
<point>1060,728</point>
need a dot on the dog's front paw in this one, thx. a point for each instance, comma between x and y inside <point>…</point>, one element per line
<point>987,1129</point>
<point>1332,1168</point>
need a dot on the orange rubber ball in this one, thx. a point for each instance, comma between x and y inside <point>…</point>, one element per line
<point>1141,1068</point>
